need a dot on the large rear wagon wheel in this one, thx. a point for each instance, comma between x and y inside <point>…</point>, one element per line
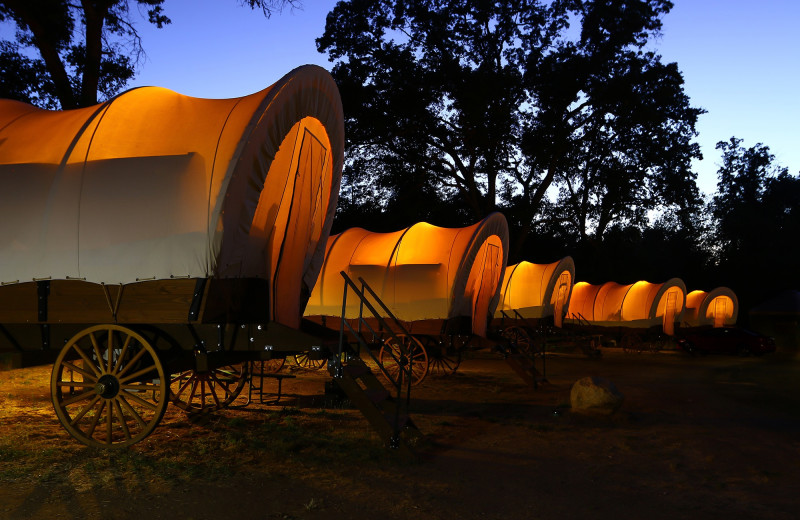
<point>395,356</point>
<point>522,340</point>
<point>108,387</point>
<point>443,357</point>
<point>208,391</point>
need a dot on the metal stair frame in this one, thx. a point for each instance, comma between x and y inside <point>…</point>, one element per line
<point>402,387</point>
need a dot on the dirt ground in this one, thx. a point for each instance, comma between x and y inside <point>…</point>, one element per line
<point>708,437</point>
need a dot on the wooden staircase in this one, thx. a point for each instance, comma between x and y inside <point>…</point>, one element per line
<point>522,363</point>
<point>386,413</point>
<point>388,417</point>
<point>516,343</point>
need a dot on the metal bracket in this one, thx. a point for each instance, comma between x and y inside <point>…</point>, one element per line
<point>197,298</point>
<point>45,336</point>
<point>115,307</point>
<point>43,291</point>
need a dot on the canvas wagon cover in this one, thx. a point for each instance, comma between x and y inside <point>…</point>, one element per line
<point>719,307</point>
<point>153,184</point>
<point>537,290</point>
<point>641,304</point>
<point>421,272</point>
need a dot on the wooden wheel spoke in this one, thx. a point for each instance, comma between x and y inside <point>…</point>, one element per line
<point>184,386</point>
<point>109,424</point>
<point>96,348</point>
<point>213,389</point>
<point>79,397</point>
<point>131,363</point>
<point>122,354</point>
<point>95,419</point>
<point>86,360</point>
<point>140,386</point>
<point>193,391</point>
<point>85,410</point>
<point>110,351</point>
<point>138,373</point>
<point>181,375</point>
<point>76,384</point>
<point>84,373</point>
<point>137,399</point>
<point>219,384</point>
<point>122,422</point>
<point>128,408</point>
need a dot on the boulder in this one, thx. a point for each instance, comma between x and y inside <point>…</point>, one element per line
<point>595,396</point>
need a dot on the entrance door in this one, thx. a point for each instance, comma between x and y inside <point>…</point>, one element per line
<point>488,262</point>
<point>298,226</point>
<point>561,298</point>
<point>669,313</point>
<point>720,308</point>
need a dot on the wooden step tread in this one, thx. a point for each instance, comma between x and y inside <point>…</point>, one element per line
<point>377,395</point>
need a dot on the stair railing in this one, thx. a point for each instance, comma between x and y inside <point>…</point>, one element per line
<point>520,317</point>
<point>404,362</point>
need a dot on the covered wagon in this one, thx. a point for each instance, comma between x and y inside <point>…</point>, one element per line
<point>156,239</point>
<point>635,312</point>
<point>534,298</point>
<point>716,308</point>
<point>537,291</point>
<point>442,283</point>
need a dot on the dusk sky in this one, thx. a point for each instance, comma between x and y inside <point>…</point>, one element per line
<point>740,59</point>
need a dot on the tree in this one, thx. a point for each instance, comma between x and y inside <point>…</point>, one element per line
<point>501,103</point>
<point>757,221</point>
<point>65,54</point>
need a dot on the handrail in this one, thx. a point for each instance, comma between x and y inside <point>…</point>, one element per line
<point>579,317</point>
<point>405,370</point>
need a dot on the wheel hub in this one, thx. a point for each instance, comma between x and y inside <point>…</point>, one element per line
<point>107,387</point>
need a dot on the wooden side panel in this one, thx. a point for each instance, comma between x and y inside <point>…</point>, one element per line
<point>75,301</point>
<point>237,300</point>
<point>157,301</point>
<point>18,303</point>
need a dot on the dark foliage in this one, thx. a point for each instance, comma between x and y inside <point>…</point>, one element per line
<point>551,112</point>
<point>69,55</point>
<point>757,221</point>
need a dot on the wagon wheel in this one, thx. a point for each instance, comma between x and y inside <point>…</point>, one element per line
<point>270,366</point>
<point>657,344</point>
<point>108,387</point>
<point>308,363</point>
<point>632,342</point>
<point>209,390</point>
<point>395,356</point>
<point>443,358</point>
<point>521,339</point>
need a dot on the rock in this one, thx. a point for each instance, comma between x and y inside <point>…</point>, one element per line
<point>595,396</point>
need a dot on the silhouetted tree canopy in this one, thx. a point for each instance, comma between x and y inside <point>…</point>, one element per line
<point>756,222</point>
<point>70,54</point>
<point>553,112</point>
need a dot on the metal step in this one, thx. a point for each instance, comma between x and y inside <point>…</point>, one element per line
<point>379,408</point>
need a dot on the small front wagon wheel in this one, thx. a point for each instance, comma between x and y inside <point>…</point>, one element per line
<point>108,387</point>
<point>304,360</point>
<point>396,356</point>
<point>208,391</point>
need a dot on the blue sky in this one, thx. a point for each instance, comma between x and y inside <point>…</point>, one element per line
<point>740,59</point>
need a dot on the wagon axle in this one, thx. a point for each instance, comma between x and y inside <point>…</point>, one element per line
<point>107,387</point>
